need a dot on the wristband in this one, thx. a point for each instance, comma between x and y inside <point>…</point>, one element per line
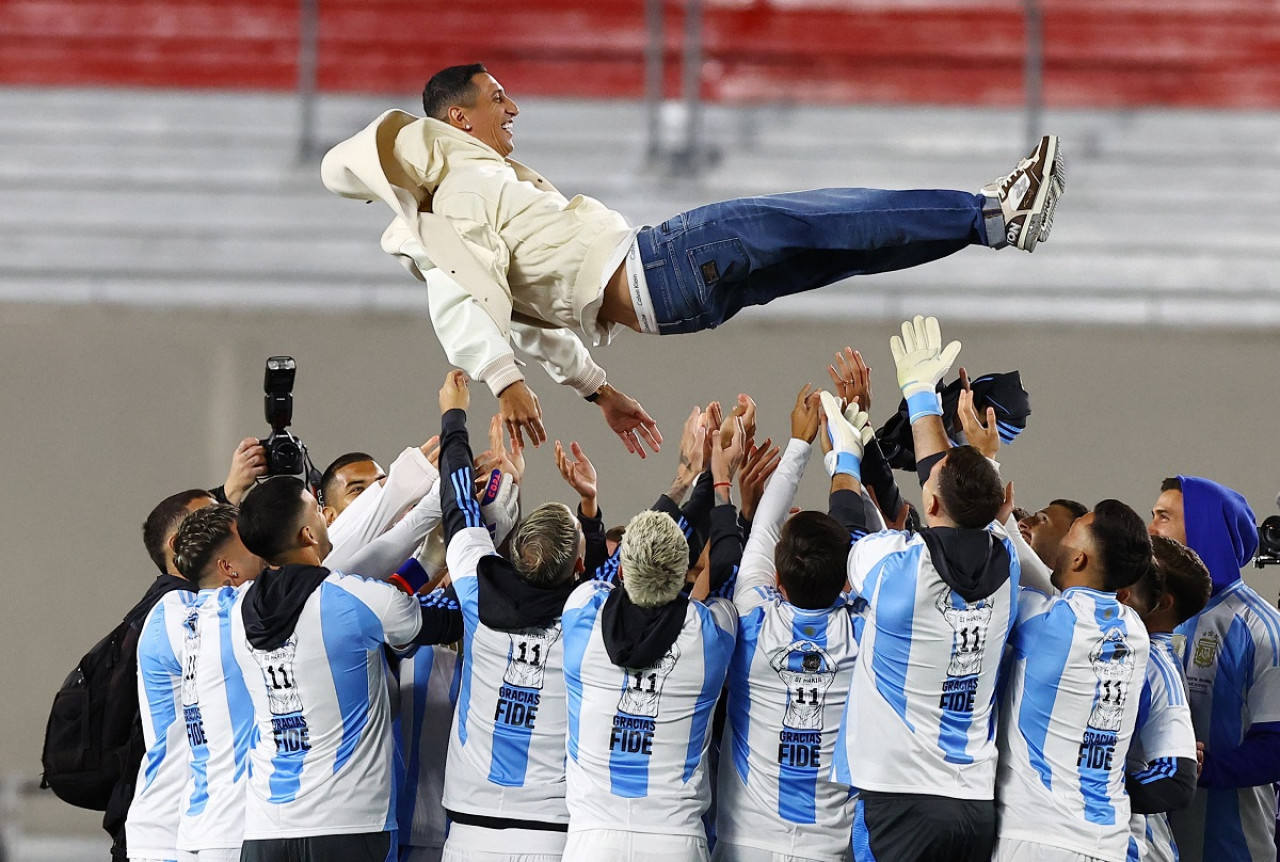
<point>722,485</point>
<point>410,577</point>
<point>593,397</point>
<point>921,404</point>
<point>843,462</point>
<point>491,488</point>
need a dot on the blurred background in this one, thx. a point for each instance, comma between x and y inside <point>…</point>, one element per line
<point>163,230</point>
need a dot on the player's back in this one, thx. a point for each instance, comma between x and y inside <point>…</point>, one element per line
<point>788,683</point>
<point>428,690</point>
<point>638,737</point>
<point>506,744</point>
<point>219,720</point>
<point>322,764</point>
<point>1069,711</point>
<point>152,824</point>
<point>1164,732</point>
<point>940,605</point>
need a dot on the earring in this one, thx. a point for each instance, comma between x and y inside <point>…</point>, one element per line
<point>466,128</point>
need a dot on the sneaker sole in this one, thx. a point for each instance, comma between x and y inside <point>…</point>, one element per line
<point>1046,199</point>
<point>1060,183</point>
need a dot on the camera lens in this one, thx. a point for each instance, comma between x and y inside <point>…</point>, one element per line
<point>1269,536</point>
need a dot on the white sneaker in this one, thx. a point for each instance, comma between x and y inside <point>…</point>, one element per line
<point>1029,195</point>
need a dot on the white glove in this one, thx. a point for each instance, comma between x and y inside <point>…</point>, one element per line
<point>849,433</point>
<point>922,361</point>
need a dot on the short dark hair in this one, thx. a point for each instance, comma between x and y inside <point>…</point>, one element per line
<point>970,488</point>
<point>812,557</point>
<point>1077,509</point>
<point>270,515</point>
<point>449,87</point>
<point>1186,577</point>
<point>1123,544</point>
<point>164,519</point>
<point>1173,483</point>
<point>615,534</point>
<point>198,538</point>
<point>330,474</point>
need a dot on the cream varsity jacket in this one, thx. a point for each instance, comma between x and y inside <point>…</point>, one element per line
<point>505,256</point>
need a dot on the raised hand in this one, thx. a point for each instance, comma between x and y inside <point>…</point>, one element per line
<point>629,421</point>
<point>983,437</point>
<point>804,416</point>
<point>454,394</point>
<point>521,413</point>
<point>759,466</point>
<point>725,459</point>
<point>248,462</point>
<point>921,360</point>
<point>847,433</point>
<point>852,378</point>
<point>577,470</point>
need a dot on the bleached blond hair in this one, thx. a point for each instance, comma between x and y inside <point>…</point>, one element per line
<point>654,559</point>
<point>544,549</point>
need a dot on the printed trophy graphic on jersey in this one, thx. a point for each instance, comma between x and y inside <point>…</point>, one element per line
<point>1112,660</point>
<point>969,623</point>
<point>190,694</point>
<point>527,659</point>
<point>289,729</point>
<point>808,671</point>
<point>190,652</point>
<point>644,685</point>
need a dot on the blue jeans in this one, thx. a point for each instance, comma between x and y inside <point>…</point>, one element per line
<point>705,265</point>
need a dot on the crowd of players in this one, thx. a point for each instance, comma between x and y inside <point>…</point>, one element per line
<point>408,668</point>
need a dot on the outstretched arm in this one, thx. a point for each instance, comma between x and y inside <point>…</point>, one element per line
<point>921,362</point>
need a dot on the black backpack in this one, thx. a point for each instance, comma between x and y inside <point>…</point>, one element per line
<point>89,740</point>
<point>93,743</point>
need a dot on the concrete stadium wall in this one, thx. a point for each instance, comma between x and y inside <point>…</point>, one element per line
<point>104,411</point>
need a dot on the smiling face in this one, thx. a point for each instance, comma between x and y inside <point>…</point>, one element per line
<point>492,116</point>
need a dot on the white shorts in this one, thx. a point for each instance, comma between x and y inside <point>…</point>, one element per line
<point>726,852</point>
<point>217,854</point>
<point>409,853</point>
<point>614,845</point>
<point>1012,850</point>
<point>478,844</point>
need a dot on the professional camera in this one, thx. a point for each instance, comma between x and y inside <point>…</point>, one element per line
<point>1268,542</point>
<point>286,454</point>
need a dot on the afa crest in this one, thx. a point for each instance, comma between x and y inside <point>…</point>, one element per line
<point>1206,650</point>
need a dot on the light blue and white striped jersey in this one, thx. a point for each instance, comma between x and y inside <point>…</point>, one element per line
<point>1163,735</point>
<point>220,727</point>
<point>1076,667</point>
<point>921,711</point>
<point>1231,654</point>
<point>638,737</point>
<point>429,681</point>
<point>151,828</point>
<point>506,744</point>
<point>323,761</point>
<point>788,683</point>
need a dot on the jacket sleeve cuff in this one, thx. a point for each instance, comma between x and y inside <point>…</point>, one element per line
<point>588,380</point>
<point>501,373</point>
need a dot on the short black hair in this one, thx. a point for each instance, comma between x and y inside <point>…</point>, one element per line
<point>1077,509</point>
<point>1123,544</point>
<point>164,519</point>
<point>270,516</point>
<point>449,87</point>
<point>198,538</point>
<point>812,558</point>
<point>1173,483</point>
<point>970,488</point>
<point>1186,577</point>
<point>331,472</point>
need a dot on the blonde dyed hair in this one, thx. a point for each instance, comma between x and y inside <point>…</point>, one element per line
<point>544,549</point>
<point>654,558</point>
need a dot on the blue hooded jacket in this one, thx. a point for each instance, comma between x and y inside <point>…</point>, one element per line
<point>1221,528</point>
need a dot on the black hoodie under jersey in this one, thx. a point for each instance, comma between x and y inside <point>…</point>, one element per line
<point>274,604</point>
<point>974,563</point>
<point>635,636</point>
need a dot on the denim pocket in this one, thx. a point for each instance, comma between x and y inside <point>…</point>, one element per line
<point>715,263</point>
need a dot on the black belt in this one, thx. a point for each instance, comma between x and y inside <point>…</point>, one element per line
<point>504,822</point>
